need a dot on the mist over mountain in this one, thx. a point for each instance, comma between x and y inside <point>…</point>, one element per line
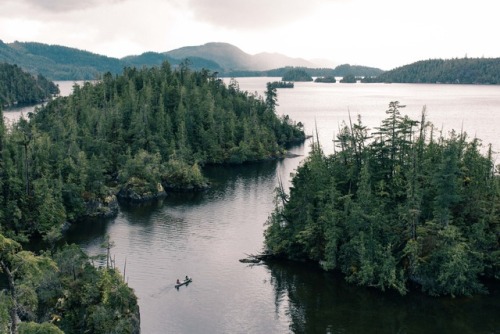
<point>231,58</point>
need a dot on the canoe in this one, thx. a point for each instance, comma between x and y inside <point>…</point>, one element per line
<point>184,282</point>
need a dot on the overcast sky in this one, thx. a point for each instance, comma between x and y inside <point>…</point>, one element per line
<point>378,33</point>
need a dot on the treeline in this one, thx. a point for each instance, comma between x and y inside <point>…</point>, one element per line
<point>64,63</point>
<point>282,84</point>
<point>19,87</point>
<point>62,292</point>
<point>349,79</point>
<point>339,71</point>
<point>296,74</point>
<point>326,79</point>
<point>398,207</point>
<point>136,135</point>
<point>149,59</point>
<point>453,71</point>
<point>58,62</point>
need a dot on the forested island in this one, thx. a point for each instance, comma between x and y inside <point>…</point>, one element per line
<point>328,79</point>
<point>18,87</point>
<point>296,74</point>
<point>400,207</point>
<point>281,84</point>
<point>338,71</point>
<point>135,136</point>
<point>450,71</point>
<point>348,79</point>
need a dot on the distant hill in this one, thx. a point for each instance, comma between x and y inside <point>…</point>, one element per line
<point>150,58</point>
<point>155,59</point>
<point>231,58</point>
<point>456,71</point>
<point>269,61</point>
<point>226,55</point>
<point>57,62</point>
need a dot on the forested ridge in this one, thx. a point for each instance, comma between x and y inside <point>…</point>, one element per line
<point>19,87</point>
<point>136,134</point>
<point>57,62</point>
<point>401,206</point>
<point>64,63</point>
<point>454,71</point>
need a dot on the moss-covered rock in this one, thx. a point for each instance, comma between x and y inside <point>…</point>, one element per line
<point>138,191</point>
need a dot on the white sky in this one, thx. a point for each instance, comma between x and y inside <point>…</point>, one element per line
<point>378,33</point>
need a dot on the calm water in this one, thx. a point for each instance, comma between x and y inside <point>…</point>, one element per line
<point>473,108</point>
<point>204,235</point>
<point>13,114</point>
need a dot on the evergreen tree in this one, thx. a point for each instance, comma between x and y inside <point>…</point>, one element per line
<point>403,206</point>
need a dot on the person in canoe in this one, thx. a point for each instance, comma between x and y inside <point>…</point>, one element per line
<point>178,282</point>
<point>187,278</point>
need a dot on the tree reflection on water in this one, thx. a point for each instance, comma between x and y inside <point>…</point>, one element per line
<point>320,302</point>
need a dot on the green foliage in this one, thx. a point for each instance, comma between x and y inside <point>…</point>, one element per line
<point>135,130</point>
<point>349,78</point>
<point>282,84</point>
<point>453,266</point>
<point>144,166</point>
<point>58,62</point>
<point>5,305</point>
<point>296,74</point>
<point>179,174</point>
<point>327,79</point>
<point>63,63</point>
<point>356,70</point>
<point>36,328</point>
<point>394,207</point>
<point>339,71</point>
<point>19,87</point>
<point>65,290</point>
<point>453,71</point>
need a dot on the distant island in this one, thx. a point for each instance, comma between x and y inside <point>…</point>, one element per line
<point>450,71</point>
<point>339,71</point>
<point>297,74</point>
<point>56,62</point>
<point>282,84</point>
<point>348,79</point>
<point>431,225</point>
<point>328,79</point>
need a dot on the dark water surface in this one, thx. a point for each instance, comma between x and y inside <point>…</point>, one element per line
<point>204,235</point>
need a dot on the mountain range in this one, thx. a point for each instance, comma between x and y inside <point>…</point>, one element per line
<point>63,63</point>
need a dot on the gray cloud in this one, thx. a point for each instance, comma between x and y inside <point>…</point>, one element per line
<point>255,14</point>
<point>59,6</point>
